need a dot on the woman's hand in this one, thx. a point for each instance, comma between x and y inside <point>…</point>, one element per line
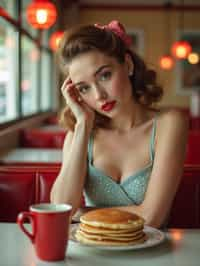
<point>82,112</point>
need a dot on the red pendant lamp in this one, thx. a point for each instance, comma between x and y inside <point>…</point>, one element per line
<point>55,40</point>
<point>166,62</point>
<point>181,49</point>
<point>41,14</point>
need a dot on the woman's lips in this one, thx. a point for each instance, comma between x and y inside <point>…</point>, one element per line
<point>108,106</point>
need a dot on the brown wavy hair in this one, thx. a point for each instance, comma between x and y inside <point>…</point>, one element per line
<point>82,39</point>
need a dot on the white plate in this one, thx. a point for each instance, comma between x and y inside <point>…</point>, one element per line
<point>154,237</point>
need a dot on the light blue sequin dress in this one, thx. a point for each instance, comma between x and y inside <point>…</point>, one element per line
<point>102,191</point>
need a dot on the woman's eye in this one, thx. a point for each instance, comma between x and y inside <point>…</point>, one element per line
<point>83,89</point>
<point>105,76</point>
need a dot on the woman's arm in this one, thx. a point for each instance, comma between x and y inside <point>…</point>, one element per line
<point>171,139</point>
<point>69,184</point>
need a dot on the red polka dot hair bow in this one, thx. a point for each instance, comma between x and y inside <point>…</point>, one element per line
<point>116,27</point>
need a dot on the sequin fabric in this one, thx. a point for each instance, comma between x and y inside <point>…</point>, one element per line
<point>102,191</point>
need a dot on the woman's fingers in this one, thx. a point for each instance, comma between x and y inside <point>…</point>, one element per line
<point>75,102</point>
<point>67,82</point>
<point>71,93</point>
<point>68,89</point>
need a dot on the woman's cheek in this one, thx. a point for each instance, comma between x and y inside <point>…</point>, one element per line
<point>90,102</point>
<point>116,87</point>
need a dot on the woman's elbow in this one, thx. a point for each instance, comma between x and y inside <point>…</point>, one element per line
<point>153,223</point>
<point>155,220</point>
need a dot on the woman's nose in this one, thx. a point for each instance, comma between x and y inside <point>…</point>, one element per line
<point>99,93</point>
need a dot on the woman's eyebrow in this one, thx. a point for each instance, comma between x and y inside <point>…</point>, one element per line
<point>96,73</point>
<point>100,69</point>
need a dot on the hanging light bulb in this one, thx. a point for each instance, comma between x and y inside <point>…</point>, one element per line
<point>193,58</point>
<point>166,62</point>
<point>55,40</point>
<point>181,49</point>
<point>41,14</point>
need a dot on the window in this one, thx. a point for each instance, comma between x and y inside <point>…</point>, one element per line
<point>30,83</point>
<point>46,84</point>
<point>9,6</point>
<point>25,25</point>
<point>8,72</point>
<point>26,68</point>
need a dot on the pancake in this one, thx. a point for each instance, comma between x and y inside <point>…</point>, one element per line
<point>109,232</point>
<point>109,226</point>
<point>110,242</point>
<point>92,229</point>
<point>112,218</point>
<point>104,237</point>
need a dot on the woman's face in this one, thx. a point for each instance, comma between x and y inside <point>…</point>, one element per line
<point>102,82</point>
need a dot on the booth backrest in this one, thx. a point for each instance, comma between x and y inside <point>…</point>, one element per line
<point>193,147</point>
<point>37,138</point>
<point>185,211</point>
<point>17,193</point>
<point>22,186</point>
<point>53,120</point>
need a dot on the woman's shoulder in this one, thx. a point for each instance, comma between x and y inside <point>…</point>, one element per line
<point>172,117</point>
<point>172,124</point>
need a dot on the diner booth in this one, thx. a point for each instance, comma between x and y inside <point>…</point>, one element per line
<point>31,137</point>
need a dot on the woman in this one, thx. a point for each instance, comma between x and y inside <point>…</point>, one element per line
<point>119,150</point>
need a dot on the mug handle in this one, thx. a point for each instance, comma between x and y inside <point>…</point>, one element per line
<point>20,221</point>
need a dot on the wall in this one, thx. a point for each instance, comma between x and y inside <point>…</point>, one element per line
<point>152,23</point>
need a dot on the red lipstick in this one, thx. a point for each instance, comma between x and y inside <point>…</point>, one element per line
<point>108,106</point>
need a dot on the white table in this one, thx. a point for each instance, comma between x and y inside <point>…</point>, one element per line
<point>20,155</point>
<point>182,248</point>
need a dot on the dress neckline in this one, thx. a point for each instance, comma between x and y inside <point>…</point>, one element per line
<point>136,173</point>
<point>125,179</point>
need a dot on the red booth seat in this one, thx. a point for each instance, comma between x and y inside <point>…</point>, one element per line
<point>17,192</point>
<point>185,211</point>
<point>53,120</point>
<point>37,138</point>
<point>22,186</point>
<point>195,123</point>
<point>193,147</point>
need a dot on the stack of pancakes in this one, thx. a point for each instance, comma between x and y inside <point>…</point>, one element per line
<point>110,227</point>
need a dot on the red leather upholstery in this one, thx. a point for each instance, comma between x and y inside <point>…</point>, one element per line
<point>53,120</point>
<point>193,147</point>
<point>45,182</point>
<point>195,123</point>
<point>22,186</point>
<point>17,193</point>
<point>41,139</point>
<point>185,211</point>
<point>181,213</point>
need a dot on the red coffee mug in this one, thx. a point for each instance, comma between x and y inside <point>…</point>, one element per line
<point>50,226</point>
